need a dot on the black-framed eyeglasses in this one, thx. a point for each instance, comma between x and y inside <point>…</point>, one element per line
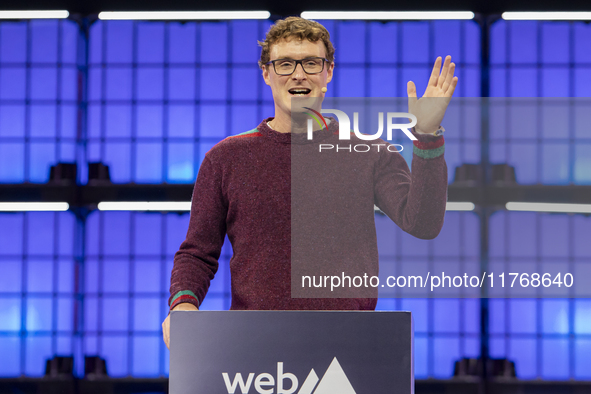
<point>311,65</point>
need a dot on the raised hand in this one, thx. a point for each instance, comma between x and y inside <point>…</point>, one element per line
<point>430,109</point>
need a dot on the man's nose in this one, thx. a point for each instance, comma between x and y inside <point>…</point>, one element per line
<point>299,72</point>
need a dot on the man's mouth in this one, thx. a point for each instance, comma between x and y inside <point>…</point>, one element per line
<point>299,91</point>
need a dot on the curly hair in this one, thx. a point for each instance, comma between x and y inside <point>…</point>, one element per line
<point>299,28</point>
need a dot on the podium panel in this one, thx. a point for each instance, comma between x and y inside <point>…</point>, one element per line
<point>291,352</point>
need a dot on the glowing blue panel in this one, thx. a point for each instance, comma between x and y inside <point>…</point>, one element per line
<point>522,238</point>
<point>114,351</point>
<point>383,43</point>
<point>421,357</point>
<point>582,163</point>
<point>41,158</point>
<point>582,359</point>
<point>118,120</point>
<point>554,241</point>
<point>181,45</point>
<point>522,316</point>
<point>13,41</point>
<point>119,83</point>
<point>555,360</point>
<point>145,358</point>
<point>523,37</point>
<point>10,314</point>
<point>382,82</point>
<point>150,42</point>
<point>447,39</point>
<point>181,83</point>
<point>150,83</point>
<point>91,316</point>
<point>497,309</point>
<point>146,314</point>
<point>446,315</point>
<point>115,314</point>
<point>181,121</point>
<point>10,349</point>
<point>350,42</point>
<point>12,162</point>
<point>149,121</point>
<point>116,233</point>
<point>555,36</point>
<point>40,275</point>
<point>582,316</point>
<point>43,83</point>
<point>420,311</point>
<point>148,165</point>
<point>213,303</point>
<point>555,163</point>
<point>39,314</point>
<point>213,121</point>
<point>40,227</point>
<point>147,234</point>
<point>555,316</point>
<point>65,276</point>
<point>415,42</point>
<point>524,353</point>
<point>119,35</point>
<point>213,83</point>
<point>582,37</point>
<point>12,117</point>
<point>523,82</point>
<point>445,352</point>
<point>44,40</point>
<point>11,233</point>
<point>115,275</point>
<point>65,315</point>
<point>498,47</point>
<point>244,83</point>
<point>147,275</point>
<point>555,82</point>
<point>214,51</point>
<point>245,34</point>
<point>244,118</point>
<point>38,349</point>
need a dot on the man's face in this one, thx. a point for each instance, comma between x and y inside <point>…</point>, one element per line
<point>283,85</point>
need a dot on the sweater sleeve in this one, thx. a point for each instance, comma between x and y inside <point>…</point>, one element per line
<point>196,261</point>
<point>415,200</point>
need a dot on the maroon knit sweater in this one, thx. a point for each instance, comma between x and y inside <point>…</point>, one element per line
<point>244,190</point>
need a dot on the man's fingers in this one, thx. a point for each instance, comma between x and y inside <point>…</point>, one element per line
<point>435,72</point>
<point>411,90</point>
<point>452,87</point>
<point>449,77</point>
<point>444,72</point>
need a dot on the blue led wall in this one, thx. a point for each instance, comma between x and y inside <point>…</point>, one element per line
<point>150,98</point>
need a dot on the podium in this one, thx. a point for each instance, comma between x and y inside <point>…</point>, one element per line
<point>291,352</point>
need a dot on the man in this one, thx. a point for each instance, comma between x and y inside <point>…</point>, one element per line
<point>244,186</point>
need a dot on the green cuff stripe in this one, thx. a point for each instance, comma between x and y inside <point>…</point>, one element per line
<point>182,293</point>
<point>429,153</point>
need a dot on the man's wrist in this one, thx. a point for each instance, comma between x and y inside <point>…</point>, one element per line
<point>185,306</point>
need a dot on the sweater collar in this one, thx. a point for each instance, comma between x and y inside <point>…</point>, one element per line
<point>300,138</point>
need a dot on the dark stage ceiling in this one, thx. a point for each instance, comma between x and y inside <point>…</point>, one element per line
<point>290,7</point>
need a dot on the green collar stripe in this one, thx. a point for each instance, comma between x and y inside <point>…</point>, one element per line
<point>247,132</point>
<point>429,153</point>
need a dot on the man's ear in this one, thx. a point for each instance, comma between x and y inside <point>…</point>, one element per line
<point>266,75</point>
<point>329,72</point>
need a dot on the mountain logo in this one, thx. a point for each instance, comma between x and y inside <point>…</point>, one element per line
<point>334,381</point>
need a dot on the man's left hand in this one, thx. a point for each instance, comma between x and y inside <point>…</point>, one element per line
<point>430,111</point>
